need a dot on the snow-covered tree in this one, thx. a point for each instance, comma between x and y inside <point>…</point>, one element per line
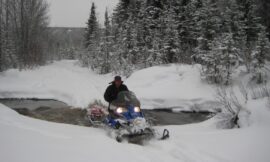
<point>170,46</point>
<point>225,57</point>
<point>93,56</point>
<point>209,25</point>
<point>92,27</point>
<point>252,27</point>
<point>260,54</point>
<point>263,11</point>
<point>121,12</point>
<point>188,30</point>
<point>106,44</point>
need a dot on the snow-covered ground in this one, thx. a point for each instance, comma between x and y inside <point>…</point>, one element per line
<point>24,139</point>
<point>63,80</point>
<point>29,140</point>
<point>173,85</point>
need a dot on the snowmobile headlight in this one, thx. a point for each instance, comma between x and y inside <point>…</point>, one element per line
<point>120,110</point>
<point>137,109</point>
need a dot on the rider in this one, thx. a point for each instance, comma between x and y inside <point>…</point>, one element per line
<point>113,90</point>
<point>111,95</point>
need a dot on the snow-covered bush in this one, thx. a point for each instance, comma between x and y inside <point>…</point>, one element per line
<point>260,92</point>
<point>244,91</point>
<point>231,107</point>
<point>259,57</point>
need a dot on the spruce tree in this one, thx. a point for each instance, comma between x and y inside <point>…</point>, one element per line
<point>93,56</point>
<point>263,11</point>
<point>92,27</point>
<point>107,42</point>
<point>260,54</point>
<point>223,58</point>
<point>170,42</point>
<point>209,26</point>
<point>188,30</point>
<point>252,27</point>
<point>121,12</point>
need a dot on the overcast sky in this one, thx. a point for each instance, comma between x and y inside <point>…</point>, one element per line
<point>74,13</point>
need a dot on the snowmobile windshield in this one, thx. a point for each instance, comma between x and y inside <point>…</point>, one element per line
<point>126,98</point>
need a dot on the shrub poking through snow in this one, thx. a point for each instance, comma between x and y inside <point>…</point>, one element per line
<point>231,108</point>
<point>260,92</point>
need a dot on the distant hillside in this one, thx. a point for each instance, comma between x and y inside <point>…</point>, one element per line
<point>64,42</point>
<point>67,37</point>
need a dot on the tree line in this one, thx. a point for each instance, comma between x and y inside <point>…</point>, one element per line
<point>23,26</point>
<point>218,34</point>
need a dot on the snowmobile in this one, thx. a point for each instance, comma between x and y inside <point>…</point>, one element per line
<point>125,118</point>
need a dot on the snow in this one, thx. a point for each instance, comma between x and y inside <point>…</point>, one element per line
<point>24,139</point>
<point>170,86</point>
<point>63,80</point>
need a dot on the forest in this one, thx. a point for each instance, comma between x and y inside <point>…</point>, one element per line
<point>219,35</point>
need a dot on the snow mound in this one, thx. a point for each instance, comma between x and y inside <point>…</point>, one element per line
<point>172,86</point>
<point>62,80</point>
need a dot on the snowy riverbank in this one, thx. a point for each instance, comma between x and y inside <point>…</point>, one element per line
<point>172,86</point>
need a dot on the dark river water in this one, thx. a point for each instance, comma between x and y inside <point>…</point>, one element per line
<point>56,111</point>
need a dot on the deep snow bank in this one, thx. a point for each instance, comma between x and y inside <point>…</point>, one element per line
<point>172,85</point>
<point>29,140</point>
<point>62,80</point>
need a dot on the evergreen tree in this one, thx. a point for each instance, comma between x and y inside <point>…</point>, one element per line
<point>263,11</point>
<point>170,42</point>
<point>233,25</point>
<point>121,12</point>
<point>188,30</point>
<point>260,54</point>
<point>224,56</point>
<point>252,27</point>
<point>232,21</point>
<point>107,43</point>
<point>209,25</point>
<point>93,56</point>
<point>92,27</point>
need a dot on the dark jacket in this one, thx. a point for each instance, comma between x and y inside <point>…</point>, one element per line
<point>112,92</point>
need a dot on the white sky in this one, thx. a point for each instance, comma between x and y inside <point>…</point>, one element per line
<point>74,13</point>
